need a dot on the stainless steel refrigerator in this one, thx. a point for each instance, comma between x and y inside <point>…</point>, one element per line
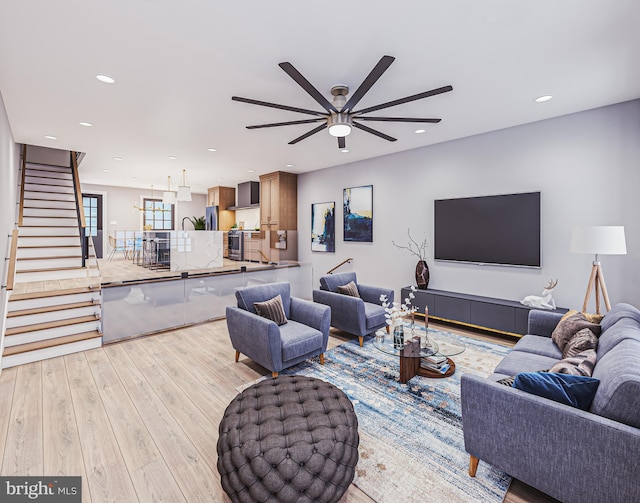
<point>212,218</point>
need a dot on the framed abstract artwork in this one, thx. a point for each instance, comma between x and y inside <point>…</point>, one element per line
<point>358,213</point>
<point>323,227</point>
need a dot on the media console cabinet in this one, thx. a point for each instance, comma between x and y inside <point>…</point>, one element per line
<point>497,315</point>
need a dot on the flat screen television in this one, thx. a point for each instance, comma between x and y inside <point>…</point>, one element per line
<point>500,230</point>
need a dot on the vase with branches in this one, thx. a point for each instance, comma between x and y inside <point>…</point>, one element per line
<point>420,251</point>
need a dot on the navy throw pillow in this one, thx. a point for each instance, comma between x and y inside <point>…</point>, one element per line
<point>577,391</point>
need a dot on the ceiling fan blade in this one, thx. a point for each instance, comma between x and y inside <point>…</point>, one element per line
<point>342,142</point>
<point>396,119</point>
<point>408,99</point>
<point>306,135</point>
<point>373,131</point>
<point>275,105</point>
<point>376,73</point>
<point>288,123</point>
<point>306,85</point>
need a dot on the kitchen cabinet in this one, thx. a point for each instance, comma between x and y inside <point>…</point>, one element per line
<point>253,246</point>
<point>225,245</point>
<point>223,198</point>
<point>279,201</point>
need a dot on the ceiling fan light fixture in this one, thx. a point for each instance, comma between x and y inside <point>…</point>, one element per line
<point>339,125</point>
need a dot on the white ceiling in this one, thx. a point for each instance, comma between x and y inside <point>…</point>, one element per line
<point>177,64</point>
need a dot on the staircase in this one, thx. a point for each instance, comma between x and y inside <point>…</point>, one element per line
<point>54,307</point>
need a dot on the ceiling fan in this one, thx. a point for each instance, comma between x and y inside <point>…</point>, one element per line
<point>339,116</point>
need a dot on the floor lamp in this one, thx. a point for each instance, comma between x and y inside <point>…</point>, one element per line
<point>598,240</point>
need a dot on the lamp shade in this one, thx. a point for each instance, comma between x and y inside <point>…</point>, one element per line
<point>184,190</point>
<point>599,239</point>
<point>169,197</point>
<point>184,193</point>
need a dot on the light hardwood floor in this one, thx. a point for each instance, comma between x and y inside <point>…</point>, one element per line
<point>137,420</point>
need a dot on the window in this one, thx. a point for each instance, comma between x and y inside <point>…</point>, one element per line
<point>157,215</point>
<point>92,209</point>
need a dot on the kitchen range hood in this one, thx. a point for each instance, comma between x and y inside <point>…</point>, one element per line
<point>248,196</point>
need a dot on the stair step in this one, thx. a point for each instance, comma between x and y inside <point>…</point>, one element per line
<point>40,264</point>
<point>49,189</point>
<point>47,325</point>
<point>55,313</point>
<point>55,274</point>
<point>17,297</point>
<point>49,182</point>
<point>48,309</point>
<point>52,302</point>
<point>42,173</point>
<point>51,333</point>
<point>50,168</point>
<point>49,221</point>
<point>49,196</point>
<point>48,241</point>
<point>65,346</point>
<point>30,232</point>
<point>42,252</point>
<point>50,212</point>
<point>51,205</point>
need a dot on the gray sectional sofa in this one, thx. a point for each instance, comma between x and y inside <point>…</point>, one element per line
<point>571,454</point>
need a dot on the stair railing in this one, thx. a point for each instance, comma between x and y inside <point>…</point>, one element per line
<point>82,226</point>
<point>346,261</point>
<point>23,165</point>
<point>11,272</point>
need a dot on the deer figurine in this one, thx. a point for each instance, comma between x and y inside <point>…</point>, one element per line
<point>545,301</point>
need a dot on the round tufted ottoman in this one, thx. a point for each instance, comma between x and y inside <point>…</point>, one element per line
<point>288,439</point>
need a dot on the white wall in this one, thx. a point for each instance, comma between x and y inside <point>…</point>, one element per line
<point>9,166</point>
<point>119,208</point>
<point>586,165</point>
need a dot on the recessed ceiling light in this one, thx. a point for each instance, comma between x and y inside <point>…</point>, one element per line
<point>211,149</point>
<point>420,131</point>
<point>118,159</point>
<point>219,179</point>
<point>289,165</point>
<point>107,170</point>
<point>50,137</point>
<point>544,98</point>
<point>173,158</point>
<point>85,124</point>
<point>344,150</point>
<point>252,171</point>
<point>106,79</point>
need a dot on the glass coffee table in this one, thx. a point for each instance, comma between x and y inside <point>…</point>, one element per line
<point>413,353</point>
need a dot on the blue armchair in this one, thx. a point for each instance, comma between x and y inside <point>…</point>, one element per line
<point>355,315</point>
<point>305,334</point>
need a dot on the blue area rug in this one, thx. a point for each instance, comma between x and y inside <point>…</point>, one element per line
<point>411,443</point>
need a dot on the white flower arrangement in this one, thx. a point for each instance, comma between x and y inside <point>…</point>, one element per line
<point>395,312</point>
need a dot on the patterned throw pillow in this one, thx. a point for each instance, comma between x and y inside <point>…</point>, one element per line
<point>507,381</point>
<point>581,364</point>
<point>349,289</point>
<point>569,326</point>
<point>581,341</point>
<point>272,309</point>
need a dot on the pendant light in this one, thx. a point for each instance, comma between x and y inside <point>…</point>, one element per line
<point>169,197</point>
<point>184,191</point>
